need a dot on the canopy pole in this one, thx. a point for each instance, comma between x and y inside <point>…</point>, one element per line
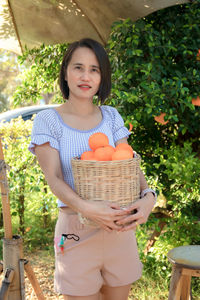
<point>93,25</point>
<point>4,197</point>
<point>12,253</point>
<point>14,24</point>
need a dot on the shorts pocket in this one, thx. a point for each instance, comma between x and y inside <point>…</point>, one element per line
<point>70,232</point>
<point>67,232</point>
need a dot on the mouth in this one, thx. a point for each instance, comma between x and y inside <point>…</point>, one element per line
<point>84,86</point>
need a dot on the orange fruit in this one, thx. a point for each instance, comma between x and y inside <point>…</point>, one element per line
<point>196,101</point>
<point>88,155</point>
<point>198,55</point>
<point>104,153</point>
<point>124,146</point>
<point>97,140</point>
<point>122,154</point>
<point>161,119</point>
<point>109,146</point>
<point>130,127</point>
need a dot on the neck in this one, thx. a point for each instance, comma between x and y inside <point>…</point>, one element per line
<point>80,107</point>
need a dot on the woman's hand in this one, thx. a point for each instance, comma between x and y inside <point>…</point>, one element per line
<point>105,214</point>
<point>138,213</point>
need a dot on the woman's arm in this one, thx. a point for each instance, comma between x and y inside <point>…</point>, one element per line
<point>143,206</point>
<point>143,182</point>
<point>104,214</point>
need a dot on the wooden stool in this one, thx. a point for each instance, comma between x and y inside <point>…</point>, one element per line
<point>186,263</point>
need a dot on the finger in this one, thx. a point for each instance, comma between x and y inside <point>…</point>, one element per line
<point>114,226</point>
<point>128,219</point>
<point>118,218</point>
<point>120,212</point>
<point>109,225</point>
<point>108,229</point>
<point>133,226</point>
<point>117,227</point>
<point>114,205</point>
<point>105,227</point>
<point>133,208</point>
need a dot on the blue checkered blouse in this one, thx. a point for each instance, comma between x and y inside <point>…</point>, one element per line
<point>49,127</point>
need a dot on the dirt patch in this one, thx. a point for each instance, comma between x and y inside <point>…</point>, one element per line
<point>43,266</point>
<point>42,263</point>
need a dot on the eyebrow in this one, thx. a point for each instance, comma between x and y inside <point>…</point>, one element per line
<point>79,64</point>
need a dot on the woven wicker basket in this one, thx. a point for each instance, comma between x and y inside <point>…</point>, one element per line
<point>114,181</point>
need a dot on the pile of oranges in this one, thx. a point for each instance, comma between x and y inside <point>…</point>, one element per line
<point>102,151</point>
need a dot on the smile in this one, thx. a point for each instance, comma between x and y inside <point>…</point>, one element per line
<point>84,86</point>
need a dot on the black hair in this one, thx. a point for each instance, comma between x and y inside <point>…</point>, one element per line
<point>104,64</point>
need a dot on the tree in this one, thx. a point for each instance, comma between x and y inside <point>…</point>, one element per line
<point>157,71</point>
<point>9,71</point>
<point>40,79</point>
<point>32,203</point>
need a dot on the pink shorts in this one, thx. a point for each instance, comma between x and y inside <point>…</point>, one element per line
<point>92,257</point>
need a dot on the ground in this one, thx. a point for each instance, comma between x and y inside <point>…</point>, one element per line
<point>43,266</point>
<point>42,263</point>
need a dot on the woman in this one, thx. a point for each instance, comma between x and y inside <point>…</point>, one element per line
<point>89,261</point>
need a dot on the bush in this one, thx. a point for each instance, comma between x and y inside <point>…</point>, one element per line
<point>156,70</point>
<point>33,206</point>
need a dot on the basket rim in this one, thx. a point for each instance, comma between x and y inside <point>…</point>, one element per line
<point>136,157</point>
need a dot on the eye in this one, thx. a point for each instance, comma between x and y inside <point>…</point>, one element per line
<point>77,67</point>
<point>95,70</point>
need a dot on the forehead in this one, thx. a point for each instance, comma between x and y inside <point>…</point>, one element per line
<point>84,55</point>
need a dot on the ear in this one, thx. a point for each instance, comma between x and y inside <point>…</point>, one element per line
<point>65,76</point>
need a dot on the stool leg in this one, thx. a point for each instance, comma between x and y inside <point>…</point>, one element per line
<point>175,284</point>
<point>185,291</point>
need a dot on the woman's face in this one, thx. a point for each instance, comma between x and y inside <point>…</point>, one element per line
<point>83,74</point>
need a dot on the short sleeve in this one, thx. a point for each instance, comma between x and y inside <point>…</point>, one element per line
<point>46,128</point>
<point>118,128</point>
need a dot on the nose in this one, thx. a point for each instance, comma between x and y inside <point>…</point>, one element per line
<point>85,75</point>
